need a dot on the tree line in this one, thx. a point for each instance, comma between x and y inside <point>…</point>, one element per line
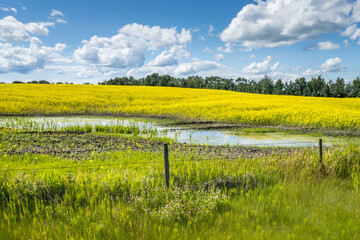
<point>316,86</point>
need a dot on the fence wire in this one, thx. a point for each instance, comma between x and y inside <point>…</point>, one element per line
<point>184,147</point>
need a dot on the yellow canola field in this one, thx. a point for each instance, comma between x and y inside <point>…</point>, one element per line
<point>200,104</point>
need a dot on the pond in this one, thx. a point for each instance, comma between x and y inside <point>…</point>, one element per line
<point>180,134</point>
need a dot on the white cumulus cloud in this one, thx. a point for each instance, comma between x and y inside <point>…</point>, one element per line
<point>128,47</point>
<point>327,45</point>
<point>56,13</point>
<point>171,56</point>
<point>275,23</point>
<point>6,9</point>
<point>261,68</point>
<point>39,28</point>
<point>194,67</point>
<point>353,32</point>
<point>333,65</point>
<point>197,66</point>
<point>219,57</point>
<point>228,48</point>
<point>57,16</point>
<point>23,59</point>
<point>311,73</point>
<point>11,30</point>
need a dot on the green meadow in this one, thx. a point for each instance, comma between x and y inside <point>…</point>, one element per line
<point>101,185</point>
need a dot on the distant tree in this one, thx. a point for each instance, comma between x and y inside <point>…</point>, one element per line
<point>241,85</point>
<point>254,87</point>
<point>33,82</point>
<point>316,87</point>
<point>266,85</point>
<point>152,80</point>
<point>349,89</point>
<point>279,87</point>
<point>337,89</point>
<point>195,82</point>
<point>356,88</point>
<point>17,81</point>
<point>290,88</point>
<point>326,90</point>
<point>300,87</point>
<point>183,82</point>
<point>167,80</point>
<point>44,82</point>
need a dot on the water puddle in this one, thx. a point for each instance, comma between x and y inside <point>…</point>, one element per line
<point>182,135</point>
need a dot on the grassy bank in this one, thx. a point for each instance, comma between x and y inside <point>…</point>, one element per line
<point>120,195</point>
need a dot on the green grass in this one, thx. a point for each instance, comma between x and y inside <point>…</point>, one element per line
<point>120,194</point>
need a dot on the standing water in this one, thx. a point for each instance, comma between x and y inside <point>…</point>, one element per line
<point>211,137</point>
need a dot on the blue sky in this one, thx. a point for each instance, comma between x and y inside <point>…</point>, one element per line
<point>90,41</point>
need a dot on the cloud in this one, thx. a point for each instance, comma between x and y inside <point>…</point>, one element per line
<point>219,57</point>
<point>127,48</point>
<point>353,32</point>
<point>333,65</point>
<point>297,68</point>
<point>323,46</point>
<point>311,73</point>
<point>252,56</point>
<point>356,11</point>
<point>39,28</point>
<point>245,49</point>
<point>346,43</point>
<point>56,13</point>
<point>24,59</point>
<point>58,16</point>
<point>59,20</point>
<point>285,77</point>
<point>156,36</point>
<point>194,67</point>
<point>211,30</point>
<point>228,48</point>
<point>86,73</point>
<point>327,45</point>
<point>207,49</point>
<point>11,30</point>
<point>275,23</point>
<point>5,9</point>
<point>170,57</point>
<point>261,68</point>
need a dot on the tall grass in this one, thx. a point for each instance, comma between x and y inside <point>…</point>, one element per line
<point>27,124</point>
<point>283,196</point>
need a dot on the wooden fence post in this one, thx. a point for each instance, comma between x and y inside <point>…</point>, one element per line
<point>166,165</point>
<point>320,151</point>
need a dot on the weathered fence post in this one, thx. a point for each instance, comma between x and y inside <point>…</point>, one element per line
<point>166,165</point>
<point>320,151</point>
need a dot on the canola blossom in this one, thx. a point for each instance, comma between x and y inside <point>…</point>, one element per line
<point>179,103</point>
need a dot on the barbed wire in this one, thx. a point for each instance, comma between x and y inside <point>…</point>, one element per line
<point>183,147</point>
<point>83,166</point>
<point>114,164</point>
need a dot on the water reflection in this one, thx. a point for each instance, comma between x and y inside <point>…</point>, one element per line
<point>211,137</point>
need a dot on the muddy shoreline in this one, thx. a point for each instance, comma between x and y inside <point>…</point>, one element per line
<point>214,125</point>
<point>79,146</point>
